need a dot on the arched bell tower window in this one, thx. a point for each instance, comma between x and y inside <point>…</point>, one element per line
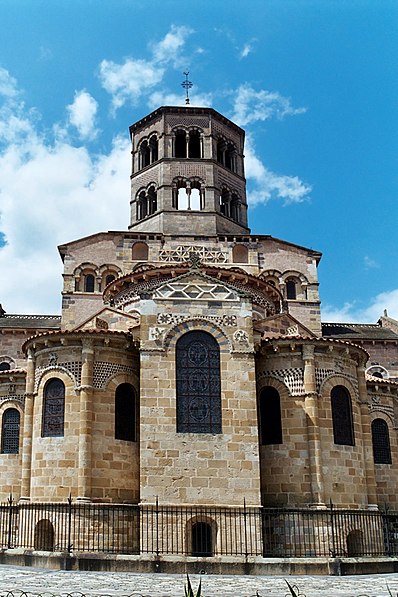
<point>343,428</point>
<point>10,431</point>
<point>89,283</point>
<point>180,145</point>
<point>291,289</point>
<point>381,442</point>
<point>125,413</point>
<point>198,383</point>
<point>270,417</point>
<point>53,409</point>
<point>194,144</point>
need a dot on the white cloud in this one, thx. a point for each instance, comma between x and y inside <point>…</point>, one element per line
<point>251,105</point>
<point>82,113</point>
<point>129,81</point>
<point>265,185</point>
<point>51,192</point>
<point>370,263</point>
<point>8,85</point>
<point>352,312</point>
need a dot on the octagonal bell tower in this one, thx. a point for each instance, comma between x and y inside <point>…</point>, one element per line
<point>188,173</point>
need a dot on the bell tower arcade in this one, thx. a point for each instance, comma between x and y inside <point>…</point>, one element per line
<point>188,173</point>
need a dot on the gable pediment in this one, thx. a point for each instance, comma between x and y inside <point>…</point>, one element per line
<point>282,324</point>
<point>111,319</point>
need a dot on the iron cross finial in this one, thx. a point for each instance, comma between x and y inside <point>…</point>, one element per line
<point>187,86</point>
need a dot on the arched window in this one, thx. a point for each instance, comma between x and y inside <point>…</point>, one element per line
<point>140,252</point>
<point>198,383</point>
<point>180,144</point>
<point>109,279</point>
<point>354,543</point>
<point>153,145</point>
<point>152,201</point>
<point>89,283</point>
<point>4,366</point>
<point>291,290</point>
<point>202,540</point>
<point>125,413</point>
<point>145,154</point>
<point>194,144</point>
<point>270,417</point>
<point>53,409</point>
<point>240,254</point>
<point>10,431</point>
<point>343,429</point>
<point>381,442</point>
<point>44,535</point>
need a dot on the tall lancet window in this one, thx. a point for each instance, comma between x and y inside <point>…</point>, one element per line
<point>198,383</point>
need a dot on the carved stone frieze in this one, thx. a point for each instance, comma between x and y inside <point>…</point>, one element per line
<point>174,319</point>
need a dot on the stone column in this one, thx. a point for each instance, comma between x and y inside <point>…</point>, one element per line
<point>312,417</point>
<point>86,397</point>
<point>367,447</point>
<point>28,428</point>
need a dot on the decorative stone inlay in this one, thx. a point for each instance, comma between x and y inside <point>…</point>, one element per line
<point>381,408</point>
<point>13,398</point>
<point>293,378</point>
<point>174,319</point>
<point>103,371</point>
<point>156,334</point>
<point>241,336</point>
<point>293,330</point>
<point>73,367</point>
<point>182,254</point>
<point>195,291</point>
<point>322,374</point>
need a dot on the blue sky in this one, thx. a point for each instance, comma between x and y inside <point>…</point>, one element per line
<point>313,82</point>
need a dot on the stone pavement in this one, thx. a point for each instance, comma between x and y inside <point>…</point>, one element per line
<point>92,584</point>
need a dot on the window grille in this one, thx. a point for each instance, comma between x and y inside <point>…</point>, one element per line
<point>10,432</point>
<point>291,292</point>
<point>270,417</point>
<point>343,430</point>
<point>53,409</point>
<point>198,383</point>
<point>125,413</point>
<point>381,442</point>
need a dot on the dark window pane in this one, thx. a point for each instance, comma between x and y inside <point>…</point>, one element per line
<point>89,283</point>
<point>198,383</point>
<point>180,145</point>
<point>291,289</point>
<point>125,413</point>
<point>53,409</point>
<point>270,417</point>
<point>202,541</point>
<point>343,431</point>
<point>5,366</point>
<point>381,442</point>
<point>10,432</point>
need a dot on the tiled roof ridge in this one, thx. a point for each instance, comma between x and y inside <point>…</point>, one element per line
<point>24,316</point>
<point>380,380</point>
<point>357,325</point>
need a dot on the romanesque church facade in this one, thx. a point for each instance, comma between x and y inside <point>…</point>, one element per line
<point>189,364</point>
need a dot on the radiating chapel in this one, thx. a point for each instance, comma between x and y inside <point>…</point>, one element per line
<point>189,364</point>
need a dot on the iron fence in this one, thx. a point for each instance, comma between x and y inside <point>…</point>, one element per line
<point>197,531</point>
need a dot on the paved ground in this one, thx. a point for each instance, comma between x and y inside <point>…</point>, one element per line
<point>92,584</point>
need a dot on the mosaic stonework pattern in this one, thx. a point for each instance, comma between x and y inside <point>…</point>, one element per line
<point>104,371</point>
<point>293,379</point>
<point>174,319</point>
<point>182,253</point>
<point>20,398</point>
<point>322,374</point>
<point>195,291</point>
<point>72,367</point>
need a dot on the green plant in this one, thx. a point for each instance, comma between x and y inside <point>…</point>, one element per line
<point>188,591</point>
<point>292,589</point>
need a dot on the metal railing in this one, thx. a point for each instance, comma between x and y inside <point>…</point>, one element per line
<point>198,531</point>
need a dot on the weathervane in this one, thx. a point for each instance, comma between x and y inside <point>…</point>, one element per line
<point>187,86</point>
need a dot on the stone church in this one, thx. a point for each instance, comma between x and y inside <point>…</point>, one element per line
<point>190,364</point>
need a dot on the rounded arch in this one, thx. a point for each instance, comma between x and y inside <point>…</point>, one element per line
<point>126,403</point>
<point>51,371</point>
<point>53,408</point>
<point>87,277</point>
<point>10,429</point>
<point>381,441</point>
<point>270,416</point>
<point>295,284</point>
<point>198,383</point>
<point>44,535</point>
<point>378,371</point>
<point>139,251</point>
<point>240,254</point>
<point>201,536</point>
<point>6,363</point>
<point>199,324</point>
<point>338,379</point>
